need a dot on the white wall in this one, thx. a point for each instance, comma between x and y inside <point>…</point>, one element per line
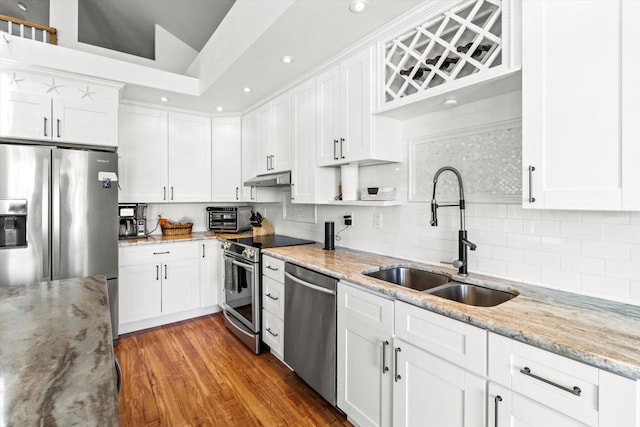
<point>596,253</point>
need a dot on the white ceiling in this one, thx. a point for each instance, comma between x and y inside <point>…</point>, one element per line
<point>311,31</point>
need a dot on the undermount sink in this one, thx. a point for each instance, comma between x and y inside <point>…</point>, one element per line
<point>473,294</point>
<point>412,278</point>
<point>442,286</point>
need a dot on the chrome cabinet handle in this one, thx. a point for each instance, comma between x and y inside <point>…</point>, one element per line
<point>397,375</point>
<point>251,193</point>
<point>237,196</point>
<point>162,253</point>
<point>267,162</point>
<point>293,197</point>
<point>385,368</point>
<point>271,268</point>
<point>58,127</point>
<point>165,271</point>
<point>575,390</point>
<point>335,149</point>
<point>272,297</point>
<point>202,250</point>
<point>531,198</point>
<point>271,332</point>
<point>45,127</point>
<point>157,272</point>
<point>164,193</point>
<point>172,192</point>
<point>496,400</point>
<point>341,148</point>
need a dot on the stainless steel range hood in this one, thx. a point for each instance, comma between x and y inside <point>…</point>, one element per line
<point>280,179</point>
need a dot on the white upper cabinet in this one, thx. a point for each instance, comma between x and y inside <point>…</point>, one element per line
<point>164,156</point>
<point>347,131</point>
<point>51,107</point>
<point>579,122</point>
<point>467,50</point>
<point>274,135</point>
<point>226,159</point>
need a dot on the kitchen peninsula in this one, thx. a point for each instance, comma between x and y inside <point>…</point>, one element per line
<point>56,357</point>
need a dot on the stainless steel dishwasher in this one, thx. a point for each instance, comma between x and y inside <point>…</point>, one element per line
<point>310,328</point>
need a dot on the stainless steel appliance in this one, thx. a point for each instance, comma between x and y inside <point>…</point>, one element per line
<point>242,284</point>
<point>58,216</point>
<point>133,220</point>
<point>230,219</point>
<point>310,328</point>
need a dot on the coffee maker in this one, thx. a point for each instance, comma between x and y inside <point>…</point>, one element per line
<point>133,220</point>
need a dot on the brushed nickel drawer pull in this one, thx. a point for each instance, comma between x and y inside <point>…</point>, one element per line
<point>272,297</point>
<point>161,253</point>
<point>385,368</point>
<point>271,268</point>
<point>575,390</point>
<point>269,330</point>
<point>397,375</point>
<point>496,400</point>
<point>531,198</point>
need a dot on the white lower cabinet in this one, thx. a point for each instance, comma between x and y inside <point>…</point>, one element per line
<point>210,273</point>
<point>365,331</point>
<point>273,304</point>
<point>162,283</point>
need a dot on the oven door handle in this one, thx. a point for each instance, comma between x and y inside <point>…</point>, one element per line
<point>242,265</point>
<point>309,285</point>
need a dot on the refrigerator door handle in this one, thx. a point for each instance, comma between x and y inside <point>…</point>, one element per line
<point>55,218</point>
<point>46,266</point>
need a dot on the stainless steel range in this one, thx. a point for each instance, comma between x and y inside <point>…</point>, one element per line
<point>242,284</point>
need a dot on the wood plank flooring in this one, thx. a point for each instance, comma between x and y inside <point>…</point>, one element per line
<point>196,373</point>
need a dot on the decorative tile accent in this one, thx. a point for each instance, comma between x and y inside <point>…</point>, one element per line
<point>489,159</point>
<point>297,212</point>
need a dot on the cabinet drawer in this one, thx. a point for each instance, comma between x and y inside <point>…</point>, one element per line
<point>273,332</point>
<point>545,377</point>
<point>367,309</point>
<point>455,341</point>
<point>148,254</point>
<point>273,267</point>
<point>273,297</point>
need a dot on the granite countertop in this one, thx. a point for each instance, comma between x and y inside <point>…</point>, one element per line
<point>56,354</point>
<point>595,331</point>
<point>201,235</point>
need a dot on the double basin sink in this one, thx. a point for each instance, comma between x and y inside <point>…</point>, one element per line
<point>442,286</point>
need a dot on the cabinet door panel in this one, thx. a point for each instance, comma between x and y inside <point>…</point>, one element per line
<point>226,156</point>
<point>264,138</point>
<point>25,115</point>
<point>355,98</point>
<point>83,122</point>
<point>180,290</point>
<point>282,134</point>
<point>249,154</point>
<point>189,158</point>
<point>571,118</point>
<point>139,287</point>
<point>328,116</point>
<point>209,273</point>
<point>303,171</point>
<point>142,155</point>
<point>432,391</point>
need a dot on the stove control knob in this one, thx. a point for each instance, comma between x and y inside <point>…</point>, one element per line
<point>226,245</point>
<point>249,253</point>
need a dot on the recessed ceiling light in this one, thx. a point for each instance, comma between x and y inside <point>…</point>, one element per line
<point>287,59</point>
<point>22,6</point>
<point>219,108</point>
<point>247,89</point>
<point>164,99</point>
<point>451,102</point>
<point>358,6</point>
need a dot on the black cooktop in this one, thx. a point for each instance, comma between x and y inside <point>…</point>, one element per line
<point>273,241</point>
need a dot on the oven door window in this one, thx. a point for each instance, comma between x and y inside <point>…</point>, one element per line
<point>239,278</point>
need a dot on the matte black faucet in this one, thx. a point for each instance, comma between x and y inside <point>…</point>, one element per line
<point>463,243</point>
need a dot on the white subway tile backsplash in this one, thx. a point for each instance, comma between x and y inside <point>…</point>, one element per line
<point>622,269</point>
<point>517,212</point>
<point>492,267</point>
<point>522,241</point>
<point>560,245</point>
<point>602,285</point>
<point>559,278</point>
<point>634,290</point>
<point>634,217</point>
<point>507,254</point>
<point>582,264</point>
<point>622,233</point>
<point>491,238</point>
<point>565,216</point>
<point>634,253</point>
<point>605,217</point>
<point>515,226</point>
<point>523,272</point>
<point>582,231</point>
<point>605,250</point>
<point>542,259</point>
<point>542,228</point>
<point>491,211</point>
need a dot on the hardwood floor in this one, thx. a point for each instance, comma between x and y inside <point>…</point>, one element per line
<point>196,373</point>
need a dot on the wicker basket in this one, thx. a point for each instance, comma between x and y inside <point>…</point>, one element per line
<point>176,229</point>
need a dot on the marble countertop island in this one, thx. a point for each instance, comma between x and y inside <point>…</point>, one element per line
<point>595,331</point>
<point>56,354</point>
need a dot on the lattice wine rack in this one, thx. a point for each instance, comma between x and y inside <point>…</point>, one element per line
<point>463,41</point>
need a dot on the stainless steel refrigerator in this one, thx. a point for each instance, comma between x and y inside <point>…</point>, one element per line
<point>58,216</point>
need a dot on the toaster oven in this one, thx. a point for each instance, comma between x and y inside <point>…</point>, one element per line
<point>228,219</point>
